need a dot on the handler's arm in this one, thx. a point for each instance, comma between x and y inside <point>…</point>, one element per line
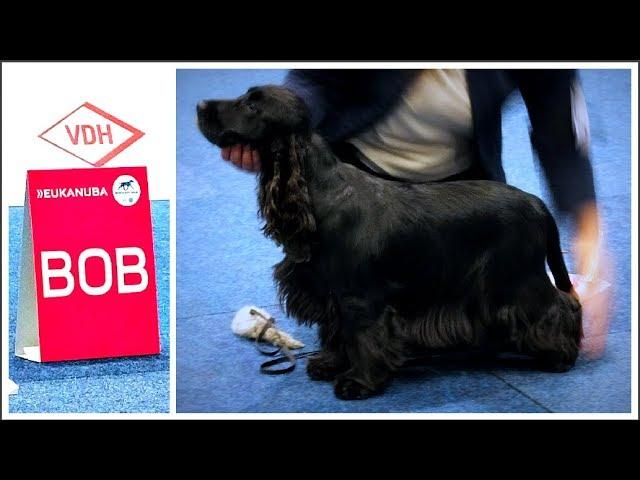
<point>318,89</point>
<point>560,137</point>
<point>560,134</point>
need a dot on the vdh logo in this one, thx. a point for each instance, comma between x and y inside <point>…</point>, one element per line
<point>71,192</point>
<point>91,134</point>
<point>126,190</point>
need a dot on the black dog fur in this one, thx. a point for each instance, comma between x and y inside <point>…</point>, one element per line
<point>389,269</point>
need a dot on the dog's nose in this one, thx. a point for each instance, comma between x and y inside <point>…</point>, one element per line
<point>202,105</point>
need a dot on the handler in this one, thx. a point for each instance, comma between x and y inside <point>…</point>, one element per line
<point>439,125</point>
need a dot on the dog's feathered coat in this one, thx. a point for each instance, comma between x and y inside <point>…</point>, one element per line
<point>389,269</point>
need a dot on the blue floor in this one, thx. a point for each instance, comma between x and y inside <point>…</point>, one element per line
<point>122,385</point>
<point>224,262</point>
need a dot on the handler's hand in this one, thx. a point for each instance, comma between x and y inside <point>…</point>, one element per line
<point>594,264</point>
<point>243,157</point>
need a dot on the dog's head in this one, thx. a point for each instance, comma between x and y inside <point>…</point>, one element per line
<point>260,116</point>
<point>276,122</point>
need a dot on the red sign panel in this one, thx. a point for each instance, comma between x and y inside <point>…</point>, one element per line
<point>88,251</point>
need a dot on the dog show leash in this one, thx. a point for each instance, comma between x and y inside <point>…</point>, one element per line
<point>290,359</point>
<point>286,357</point>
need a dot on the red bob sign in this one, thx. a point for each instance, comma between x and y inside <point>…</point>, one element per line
<point>88,286</point>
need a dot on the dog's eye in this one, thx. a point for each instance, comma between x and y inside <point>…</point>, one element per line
<point>252,107</point>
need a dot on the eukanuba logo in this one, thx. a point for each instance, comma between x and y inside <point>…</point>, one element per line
<point>71,192</point>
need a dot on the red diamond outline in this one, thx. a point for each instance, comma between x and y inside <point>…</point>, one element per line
<point>137,134</point>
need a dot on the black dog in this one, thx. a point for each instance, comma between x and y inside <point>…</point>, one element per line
<point>390,269</point>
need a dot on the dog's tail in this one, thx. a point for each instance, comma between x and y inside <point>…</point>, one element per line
<point>554,256</point>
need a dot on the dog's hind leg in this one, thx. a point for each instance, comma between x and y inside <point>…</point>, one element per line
<point>556,336</point>
<point>547,326</point>
<point>374,352</point>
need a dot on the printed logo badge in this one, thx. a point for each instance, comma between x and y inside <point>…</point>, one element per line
<point>126,190</point>
<point>91,134</point>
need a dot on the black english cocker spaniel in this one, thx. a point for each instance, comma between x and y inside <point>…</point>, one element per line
<point>388,269</point>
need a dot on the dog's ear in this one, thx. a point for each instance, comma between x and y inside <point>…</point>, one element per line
<point>298,218</point>
<point>285,203</point>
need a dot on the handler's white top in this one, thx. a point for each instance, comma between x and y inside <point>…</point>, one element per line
<point>427,136</point>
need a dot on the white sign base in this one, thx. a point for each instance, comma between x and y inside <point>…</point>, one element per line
<point>10,387</point>
<point>27,336</point>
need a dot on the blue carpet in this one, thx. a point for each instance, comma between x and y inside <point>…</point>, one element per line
<point>224,262</point>
<point>128,393</point>
<point>133,384</point>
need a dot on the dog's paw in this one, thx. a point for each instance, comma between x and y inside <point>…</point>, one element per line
<point>347,388</point>
<point>323,367</point>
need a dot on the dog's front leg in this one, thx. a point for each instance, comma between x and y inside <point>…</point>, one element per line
<point>375,351</point>
<point>332,359</point>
